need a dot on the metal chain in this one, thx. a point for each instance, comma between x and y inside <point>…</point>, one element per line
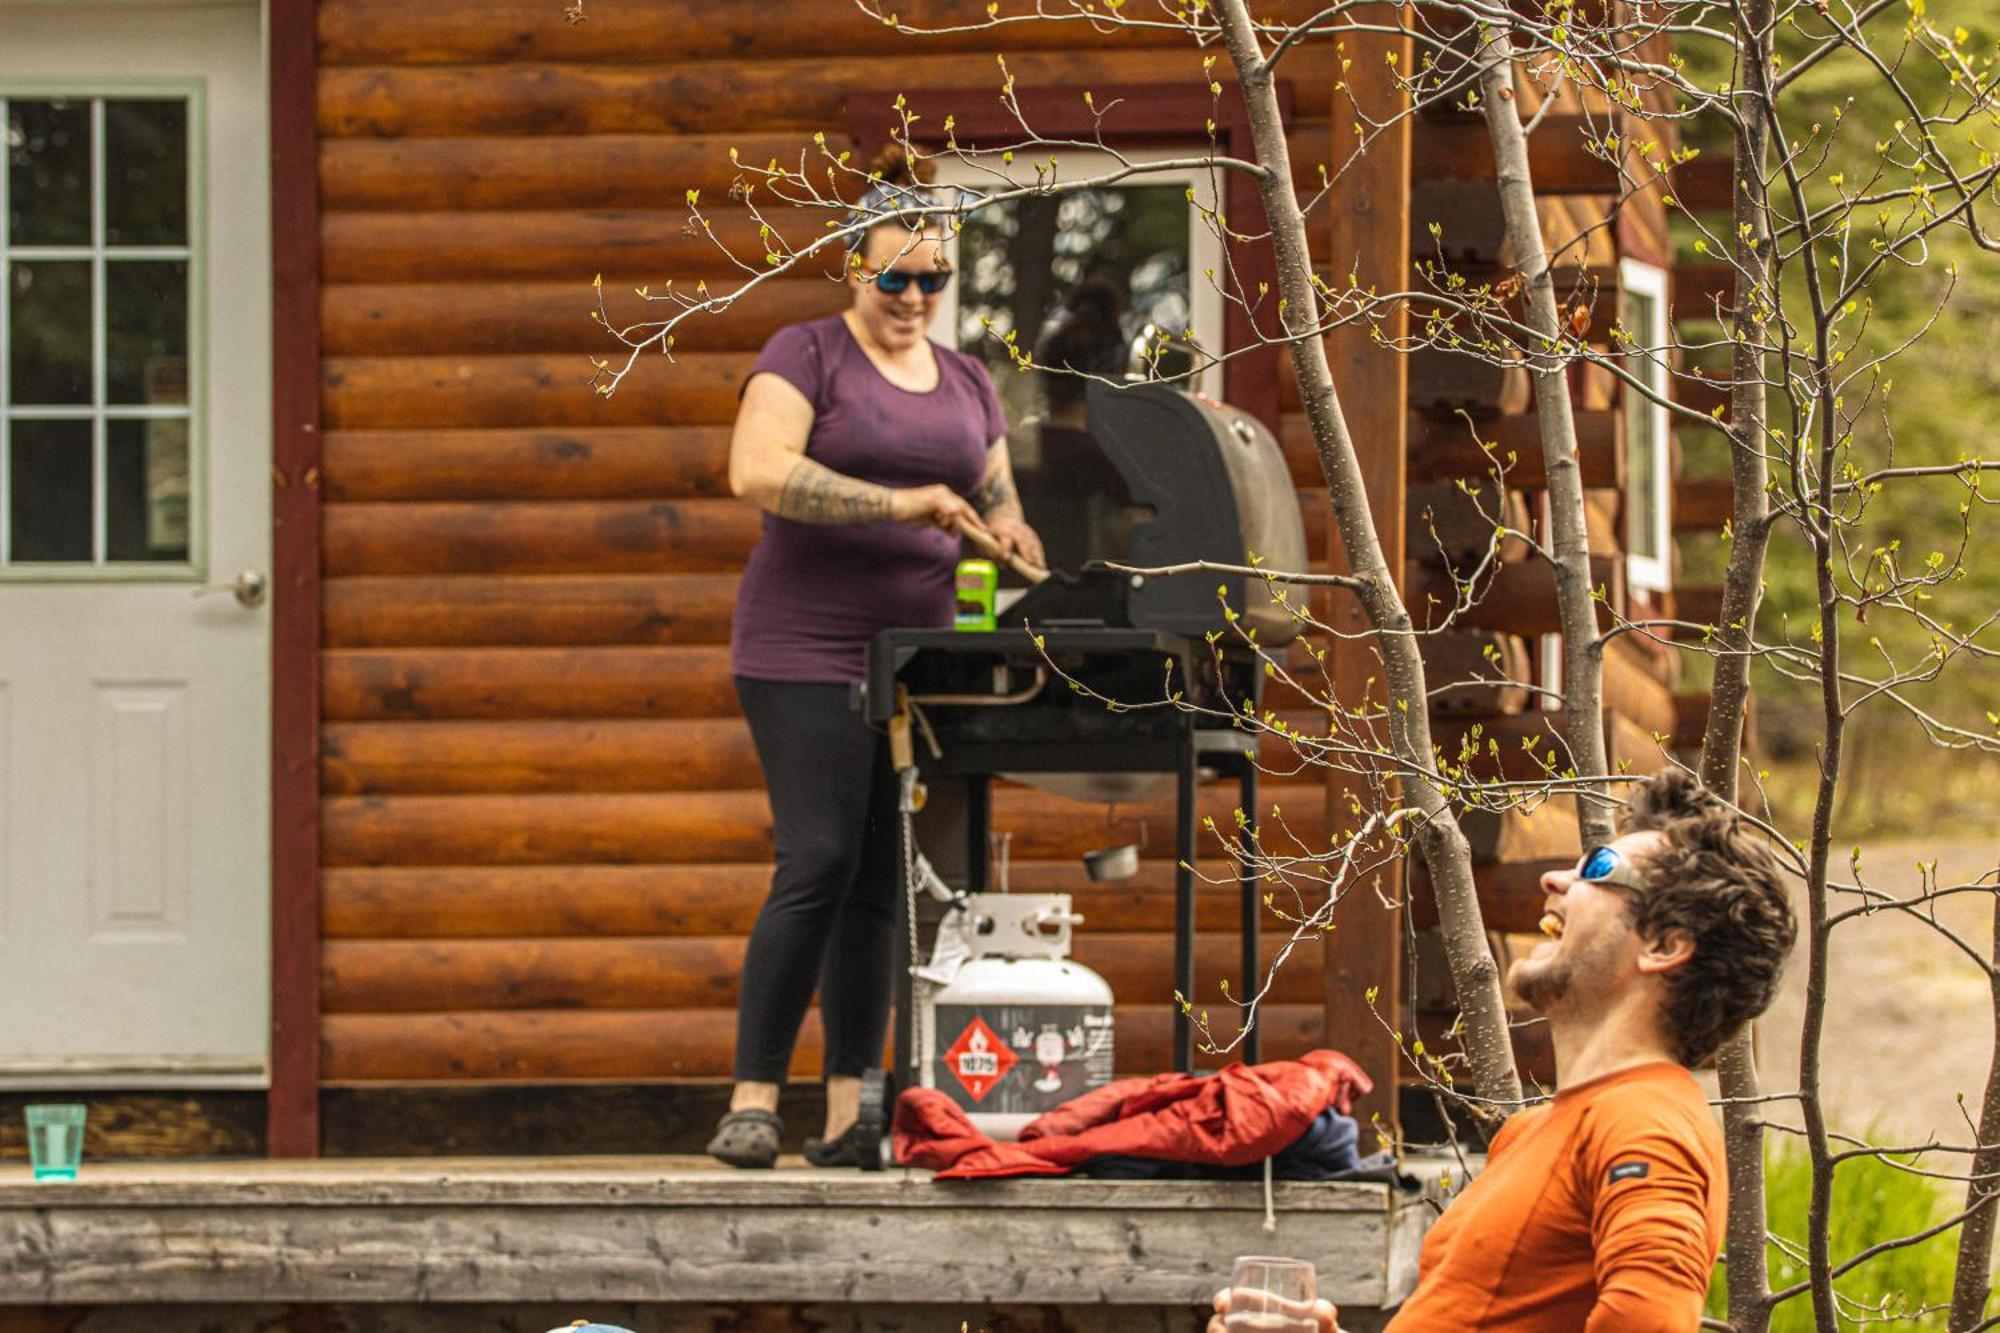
<point>906,835</point>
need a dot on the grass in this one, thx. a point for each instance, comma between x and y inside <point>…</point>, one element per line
<point>1873,1201</point>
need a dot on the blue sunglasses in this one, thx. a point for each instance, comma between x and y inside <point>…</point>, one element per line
<point>892,281</point>
<point>1607,865</point>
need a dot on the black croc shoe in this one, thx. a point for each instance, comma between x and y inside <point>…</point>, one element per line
<point>747,1139</point>
<point>861,1145</point>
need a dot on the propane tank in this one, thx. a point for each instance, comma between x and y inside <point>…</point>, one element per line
<point>1008,1026</point>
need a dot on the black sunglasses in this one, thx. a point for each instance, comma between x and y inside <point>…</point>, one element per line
<point>892,281</point>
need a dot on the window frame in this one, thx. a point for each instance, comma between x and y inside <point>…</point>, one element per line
<point>1206,254</point>
<point>1649,572</point>
<point>97,91</point>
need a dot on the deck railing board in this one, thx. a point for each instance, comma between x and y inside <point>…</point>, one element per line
<point>658,1230</point>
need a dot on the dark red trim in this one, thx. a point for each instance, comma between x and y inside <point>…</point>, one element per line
<point>1133,114</point>
<point>293,1109</point>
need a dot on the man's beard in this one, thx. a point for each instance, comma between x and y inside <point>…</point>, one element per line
<point>1576,972</point>
<point>1541,984</point>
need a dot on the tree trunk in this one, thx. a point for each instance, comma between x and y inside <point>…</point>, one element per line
<point>1583,654</point>
<point>1742,587</point>
<point>1446,853</point>
<point>1972,1276</point>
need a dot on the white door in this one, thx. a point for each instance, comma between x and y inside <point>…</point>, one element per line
<point>134,470</point>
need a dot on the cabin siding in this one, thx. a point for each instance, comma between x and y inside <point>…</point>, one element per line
<point>544,834</point>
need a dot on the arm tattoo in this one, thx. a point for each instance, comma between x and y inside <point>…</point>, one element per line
<point>995,497</point>
<point>813,493</point>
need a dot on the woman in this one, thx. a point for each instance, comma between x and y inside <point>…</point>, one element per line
<point>868,447</point>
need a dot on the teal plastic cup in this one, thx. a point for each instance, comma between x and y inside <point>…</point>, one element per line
<point>55,1140</point>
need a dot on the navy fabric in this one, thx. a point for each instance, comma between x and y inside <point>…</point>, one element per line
<point>1328,1150</point>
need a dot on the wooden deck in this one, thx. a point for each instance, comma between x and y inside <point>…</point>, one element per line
<point>673,1230</point>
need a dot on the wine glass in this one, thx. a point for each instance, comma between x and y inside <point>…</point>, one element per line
<point>1271,1295</point>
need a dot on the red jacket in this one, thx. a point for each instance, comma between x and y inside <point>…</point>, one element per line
<point>1240,1115</point>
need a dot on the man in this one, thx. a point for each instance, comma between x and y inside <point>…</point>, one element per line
<point>1603,1210</point>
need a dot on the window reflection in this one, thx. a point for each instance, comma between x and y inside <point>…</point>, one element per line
<point>1076,279</point>
<point>49,509</point>
<point>48,173</point>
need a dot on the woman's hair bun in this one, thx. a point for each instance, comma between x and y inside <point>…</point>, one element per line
<point>892,166</point>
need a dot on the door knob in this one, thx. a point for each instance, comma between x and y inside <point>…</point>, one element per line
<point>250,587</point>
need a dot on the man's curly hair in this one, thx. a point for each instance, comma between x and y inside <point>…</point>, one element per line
<point>1715,878</point>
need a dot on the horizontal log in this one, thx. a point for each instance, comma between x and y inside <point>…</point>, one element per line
<point>1445,447</point>
<point>383,32</point>
<point>1537,833</point>
<point>538,537</point>
<point>619,828</point>
<point>1459,658</point>
<point>1441,381</point>
<point>604,755</point>
<point>570,245</point>
<point>1557,158</point>
<point>472,902</point>
<point>407,319</point>
<point>550,245</point>
<point>144,1127</point>
<point>724,96</point>
<point>394,758</point>
<point>588,463</point>
<point>688,1043</point>
<point>1704,291</point>
<point>1703,504</point>
<point>527,611</point>
<point>418,976</point>
<point>1639,683</point>
<point>1517,598</point>
<point>1706,183</point>
<point>1454,523</point>
<point>520,683</point>
<point>625,828</point>
<point>400,392</point>
<point>1698,603</point>
<point>652,169</point>
<point>1510,893</point>
<point>649,168</point>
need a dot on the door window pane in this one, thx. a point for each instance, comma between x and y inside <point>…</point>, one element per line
<point>146,490</point>
<point>48,173</point>
<point>48,330</point>
<point>146,331</point>
<point>49,506</point>
<point>99,291</point>
<point>145,172</point>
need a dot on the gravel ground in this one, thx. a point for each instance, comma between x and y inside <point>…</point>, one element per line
<point>1909,1028</point>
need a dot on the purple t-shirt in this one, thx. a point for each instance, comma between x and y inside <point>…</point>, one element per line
<point>814,594</point>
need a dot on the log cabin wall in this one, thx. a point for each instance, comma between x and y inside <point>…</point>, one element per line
<point>544,837</point>
<point>1588,230</point>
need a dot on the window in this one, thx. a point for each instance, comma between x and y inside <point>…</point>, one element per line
<point>99,291</point>
<point>1019,263</point>
<point>1648,464</point>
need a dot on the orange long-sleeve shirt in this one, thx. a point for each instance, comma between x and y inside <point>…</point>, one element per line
<point>1602,1211</point>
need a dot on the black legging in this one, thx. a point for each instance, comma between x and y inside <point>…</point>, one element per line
<point>833,896</point>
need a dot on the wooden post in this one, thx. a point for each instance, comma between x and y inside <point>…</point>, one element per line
<point>1371,238</point>
<point>293,1108</point>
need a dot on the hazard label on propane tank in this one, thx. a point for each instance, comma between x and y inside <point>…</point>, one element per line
<point>979,1059</point>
